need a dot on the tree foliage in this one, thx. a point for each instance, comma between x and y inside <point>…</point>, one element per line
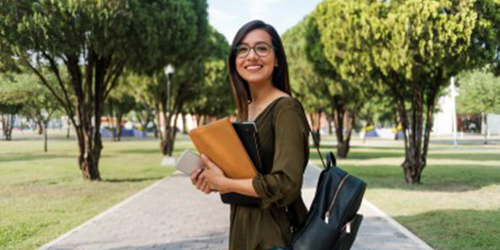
<point>410,47</point>
<point>212,95</point>
<point>341,59</point>
<point>94,41</point>
<point>479,92</point>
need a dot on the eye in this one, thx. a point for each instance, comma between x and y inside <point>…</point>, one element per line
<point>243,49</point>
<point>262,49</point>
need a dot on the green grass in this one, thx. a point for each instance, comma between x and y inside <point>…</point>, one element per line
<point>42,195</point>
<point>457,206</point>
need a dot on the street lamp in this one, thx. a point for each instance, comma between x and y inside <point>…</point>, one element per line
<point>454,93</point>
<point>169,72</point>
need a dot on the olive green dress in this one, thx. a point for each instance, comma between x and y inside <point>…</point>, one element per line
<point>284,156</point>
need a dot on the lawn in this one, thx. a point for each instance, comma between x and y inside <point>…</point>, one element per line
<point>42,195</point>
<point>456,207</point>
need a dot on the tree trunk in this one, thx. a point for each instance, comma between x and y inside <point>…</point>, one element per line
<point>7,126</point>
<point>40,125</point>
<point>330,120</point>
<point>156,121</point>
<point>89,165</point>
<point>119,127</point>
<point>69,128</point>
<point>396,123</point>
<point>170,132</point>
<point>367,124</point>
<point>414,163</point>
<point>173,136</point>
<point>314,130</point>
<point>184,125</point>
<point>485,123</point>
<point>111,119</point>
<point>45,137</point>
<point>339,115</point>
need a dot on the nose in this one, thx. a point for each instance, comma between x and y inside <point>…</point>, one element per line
<point>252,55</point>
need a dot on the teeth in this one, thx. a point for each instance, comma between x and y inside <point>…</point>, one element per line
<point>254,67</point>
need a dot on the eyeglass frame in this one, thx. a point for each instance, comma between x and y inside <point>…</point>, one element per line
<point>253,48</point>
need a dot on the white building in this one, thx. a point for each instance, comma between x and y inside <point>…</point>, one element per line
<point>443,118</point>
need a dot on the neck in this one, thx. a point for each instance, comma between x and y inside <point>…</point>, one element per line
<point>260,91</point>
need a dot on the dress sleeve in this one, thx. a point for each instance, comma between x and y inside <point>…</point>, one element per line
<point>283,184</point>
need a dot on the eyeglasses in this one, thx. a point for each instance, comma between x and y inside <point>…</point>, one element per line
<point>261,49</point>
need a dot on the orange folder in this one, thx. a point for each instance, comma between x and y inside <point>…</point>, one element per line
<point>221,144</point>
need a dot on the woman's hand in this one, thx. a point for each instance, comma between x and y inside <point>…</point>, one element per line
<point>214,176</point>
<point>200,182</point>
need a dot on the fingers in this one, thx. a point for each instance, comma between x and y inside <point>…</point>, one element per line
<point>194,176</point>
<point>200,181</point>
<point>207,161</point>
<point>205,188</point>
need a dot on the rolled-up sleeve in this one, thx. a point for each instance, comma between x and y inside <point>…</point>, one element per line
<point>282,185</point>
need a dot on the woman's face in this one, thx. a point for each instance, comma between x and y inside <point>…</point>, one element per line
<point>258,65</point>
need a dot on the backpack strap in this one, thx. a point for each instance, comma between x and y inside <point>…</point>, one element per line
<point>330,156</point>
<point>331,162</point>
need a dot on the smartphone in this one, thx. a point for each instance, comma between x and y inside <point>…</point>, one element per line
<point>189,162</point>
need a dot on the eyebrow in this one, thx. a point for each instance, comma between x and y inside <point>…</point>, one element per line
<point>255,43</point>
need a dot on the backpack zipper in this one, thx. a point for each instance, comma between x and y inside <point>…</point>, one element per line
<point>328,212</point>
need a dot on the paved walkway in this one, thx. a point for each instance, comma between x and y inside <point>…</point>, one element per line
<point>172,214</point>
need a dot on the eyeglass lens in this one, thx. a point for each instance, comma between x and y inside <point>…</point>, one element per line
<point>260,49</point>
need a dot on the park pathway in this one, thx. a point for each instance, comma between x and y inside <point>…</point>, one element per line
<point>172,214</point>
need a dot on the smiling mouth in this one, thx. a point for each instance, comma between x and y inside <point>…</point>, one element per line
<point>254,67</point>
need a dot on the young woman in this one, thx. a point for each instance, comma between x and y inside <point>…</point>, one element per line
<point>258,74</point>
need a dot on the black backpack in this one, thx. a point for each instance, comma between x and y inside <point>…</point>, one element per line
<point>332,221</point>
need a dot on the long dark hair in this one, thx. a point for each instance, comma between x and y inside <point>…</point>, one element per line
<point>239,87</point>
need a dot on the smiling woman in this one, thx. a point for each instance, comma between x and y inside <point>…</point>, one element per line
<point>258,74</point>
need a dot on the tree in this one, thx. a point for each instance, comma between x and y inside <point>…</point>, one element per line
<point>304,80</point>
<point>120,102</point>
<point>12,101</point>
<point>95,40</point>
<point>413,48</point>
<point>146,108</point>
<point>212,98</point>
<point>479,92</point>
<point>337,57</point>
<point>39,105</point>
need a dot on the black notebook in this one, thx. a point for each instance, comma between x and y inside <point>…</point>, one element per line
<point>247,132</point>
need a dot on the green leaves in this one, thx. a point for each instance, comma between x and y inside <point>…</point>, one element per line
<point>479,92</point>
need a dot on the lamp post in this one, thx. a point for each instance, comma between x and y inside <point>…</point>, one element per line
<point>454,93</point>
<point>169,71</point>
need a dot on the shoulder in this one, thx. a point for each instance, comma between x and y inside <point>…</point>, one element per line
<point>289,116</point>
<point>288,102</point>
<point>290,108</point>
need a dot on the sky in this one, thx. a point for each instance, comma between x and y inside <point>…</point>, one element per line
<point>227,16</point>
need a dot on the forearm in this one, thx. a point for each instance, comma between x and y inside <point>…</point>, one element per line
<point>243,186</point>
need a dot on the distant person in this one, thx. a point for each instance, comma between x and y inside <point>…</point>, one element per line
<point>258,73</point>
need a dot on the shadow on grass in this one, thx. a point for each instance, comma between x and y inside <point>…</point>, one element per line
<point>154,151</point>
<point>140,151</point>
<point>132,179</point>
<point>33,157</point>
<point>358,155</point>
<point>439,178</point>
<point>466,156</point>
<point>395,152</point>
<point>457,229</point>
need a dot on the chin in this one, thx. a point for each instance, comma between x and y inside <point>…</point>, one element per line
<point>256,78</point>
